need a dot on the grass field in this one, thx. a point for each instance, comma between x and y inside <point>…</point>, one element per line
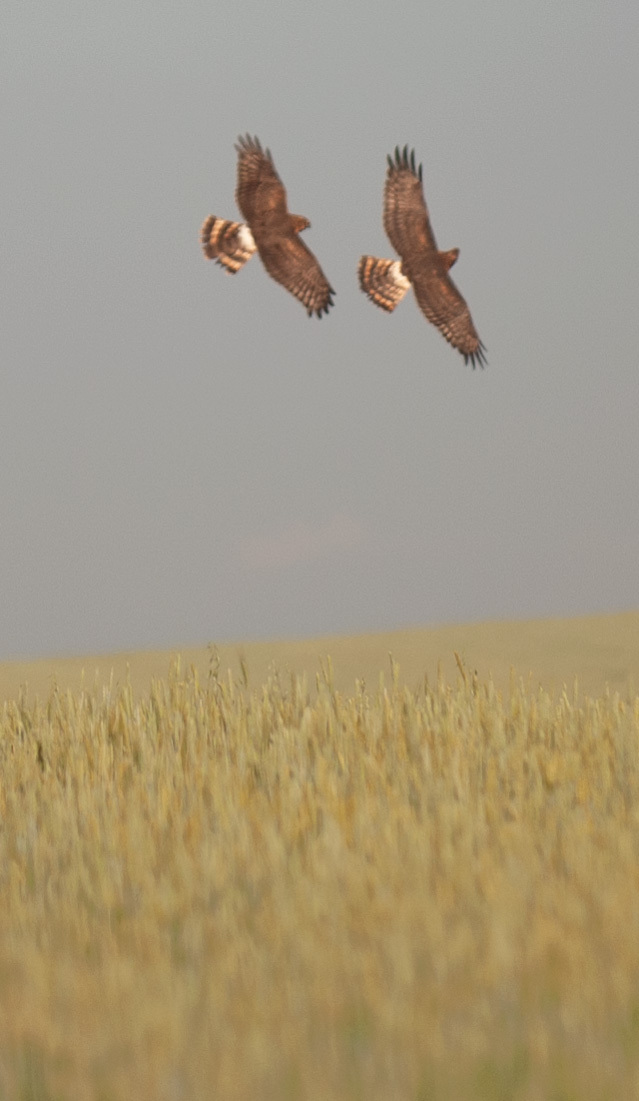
<point>601,651</point>
<point>267,884</point>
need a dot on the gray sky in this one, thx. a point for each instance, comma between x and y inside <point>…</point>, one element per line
<point>184,455</point>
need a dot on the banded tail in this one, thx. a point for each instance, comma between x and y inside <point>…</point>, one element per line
<point>382,281</point>
<point>230,243</point>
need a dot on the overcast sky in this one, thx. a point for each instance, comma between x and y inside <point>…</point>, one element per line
<point>185,456</point>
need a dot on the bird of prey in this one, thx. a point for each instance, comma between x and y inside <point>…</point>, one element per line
<point>422,266</point>
<point>269,229</point>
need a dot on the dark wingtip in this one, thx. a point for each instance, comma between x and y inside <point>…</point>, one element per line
<point>247,143</point>
<point>404,158</point>
<point>478,356</point>
<point>325,307</point>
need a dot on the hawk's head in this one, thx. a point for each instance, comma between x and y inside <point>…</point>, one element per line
<point>449,257</point>
<point>299,222</point>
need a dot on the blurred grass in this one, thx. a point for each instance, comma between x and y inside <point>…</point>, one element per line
<point>221,887</point>
<point>600,651</point>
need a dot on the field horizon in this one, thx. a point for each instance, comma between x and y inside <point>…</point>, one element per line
<point>600,652</point>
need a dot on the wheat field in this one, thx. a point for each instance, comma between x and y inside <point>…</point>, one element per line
<point>602,651</point>
<point>221,888</point>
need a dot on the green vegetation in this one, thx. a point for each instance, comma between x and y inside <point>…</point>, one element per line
<point>288,891</point>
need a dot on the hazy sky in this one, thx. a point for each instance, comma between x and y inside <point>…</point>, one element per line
<point>185,456</point>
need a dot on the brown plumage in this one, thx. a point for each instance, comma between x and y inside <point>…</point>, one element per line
<point>270,229</point>
<point>422,266</point>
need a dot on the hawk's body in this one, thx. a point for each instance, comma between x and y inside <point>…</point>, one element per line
<point>422,266</point>
<point>269,229</point>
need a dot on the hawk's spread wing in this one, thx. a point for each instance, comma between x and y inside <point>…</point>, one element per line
<point>260,193</point>
<point>406,218</point>
<point>441,302</point>
<point>288,260</point>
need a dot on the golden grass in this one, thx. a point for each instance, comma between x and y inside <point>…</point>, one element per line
<point>600,651</point>
<point>212,890</point>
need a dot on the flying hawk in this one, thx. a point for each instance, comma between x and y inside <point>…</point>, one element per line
<point>408,228</point>
<point>269,229</point>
